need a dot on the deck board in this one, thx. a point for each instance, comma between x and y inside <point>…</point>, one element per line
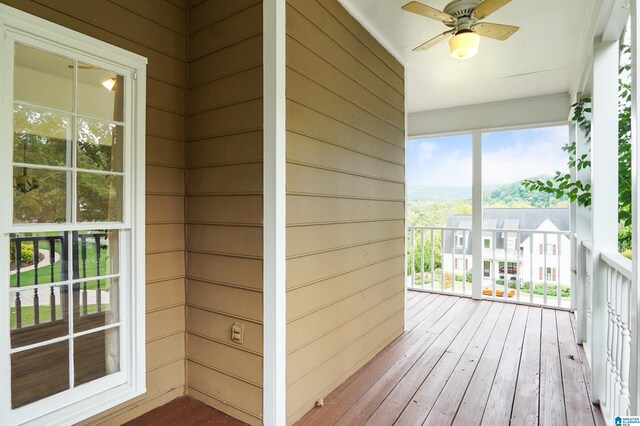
<point>465,362</point>
<point>552,410</point>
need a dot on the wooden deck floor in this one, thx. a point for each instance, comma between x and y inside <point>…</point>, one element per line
<point>184,411</point>
<point>466,362</point>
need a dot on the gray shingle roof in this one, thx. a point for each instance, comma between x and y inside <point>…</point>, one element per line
<point>506,219</point>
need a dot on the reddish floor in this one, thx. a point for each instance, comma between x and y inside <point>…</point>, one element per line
<point>184,411</point>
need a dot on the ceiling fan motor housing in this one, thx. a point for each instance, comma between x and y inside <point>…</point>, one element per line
<point>461,8</point>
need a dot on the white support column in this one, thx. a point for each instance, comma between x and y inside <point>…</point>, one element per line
<point>604,196</point>
<point>634,390</point>
<point>476,220</point>
<point>583,233</point>
<point>573,246</point>
<point>274,392</point>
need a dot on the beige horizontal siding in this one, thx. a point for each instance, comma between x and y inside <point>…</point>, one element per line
<point>156,30</point>
<point>345,199</point>
<point>224,205</point>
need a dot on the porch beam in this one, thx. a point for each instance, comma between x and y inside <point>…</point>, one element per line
<point>274,214</point>
<point>604,197</point>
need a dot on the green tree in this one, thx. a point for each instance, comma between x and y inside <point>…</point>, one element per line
<point>561,185</point>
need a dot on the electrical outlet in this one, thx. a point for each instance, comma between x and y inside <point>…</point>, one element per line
<point>237,333</point>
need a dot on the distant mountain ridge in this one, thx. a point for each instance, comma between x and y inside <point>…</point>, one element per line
<point>508,195</point>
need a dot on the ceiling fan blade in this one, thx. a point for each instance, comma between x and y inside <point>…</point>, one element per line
<point>434,41</point>
<point>429,12</point>
<point>487,7</point>
<point>494,31</point>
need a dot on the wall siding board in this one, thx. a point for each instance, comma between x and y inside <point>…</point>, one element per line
<point>227,61</point>
<point>207,13</point>
<point>304,150</point>
<point>339,31</point>
<point>161,12</point>
<point>309,122</point>
<point>363,35</point>
<point>305,210</point>
<point>228,209</point>
<point>299,28</point>
<point>230,149</point>
<point>224,205</point>
<point>345,200</point>
<point>218,35</point>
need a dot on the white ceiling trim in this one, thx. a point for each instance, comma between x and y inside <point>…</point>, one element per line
<point>516,113</point>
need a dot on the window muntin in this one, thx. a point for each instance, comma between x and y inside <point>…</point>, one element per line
<point>71,207</point>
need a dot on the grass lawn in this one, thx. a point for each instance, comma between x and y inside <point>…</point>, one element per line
<point>44,273</point>
<point>45,314</point>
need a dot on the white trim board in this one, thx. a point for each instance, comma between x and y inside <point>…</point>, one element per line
<point>274,387</point>
<point>506,114</point>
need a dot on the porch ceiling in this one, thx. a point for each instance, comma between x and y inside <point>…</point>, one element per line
<point>544,57</point>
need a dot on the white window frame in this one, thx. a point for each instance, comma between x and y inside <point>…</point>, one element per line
<point>85,400</point>
<point>484,245</point>
<point>486,270</point>
<point>459,241</point>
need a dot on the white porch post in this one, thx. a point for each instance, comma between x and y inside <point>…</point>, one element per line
<point>583,233</point>
<point>476,219</point>
<point>635,210</point>
<point>274,392</point>
<point>604,196</point>
<point>575,292</point>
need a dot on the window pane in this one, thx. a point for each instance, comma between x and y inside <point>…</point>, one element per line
<point>100,93</point>
<point>38,315</point>
<point>96,303</point>
<point>40,136</point>
<point>38,373</point>
<point>95,253</point>
<point>99,197</point>
<point>39,195</point>
<point>99,145</point>
<point>48,266</point>
<point>96,355</point>
<point>42,78</point>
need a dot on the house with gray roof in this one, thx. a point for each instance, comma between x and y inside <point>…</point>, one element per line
<point>533,243</point>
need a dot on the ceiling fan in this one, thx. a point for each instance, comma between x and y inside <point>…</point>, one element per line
<point>463,17</point>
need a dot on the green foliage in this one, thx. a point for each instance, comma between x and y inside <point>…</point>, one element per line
<point>561,185</point>
<point>417,249</point>
<point>42,138</point>
<point>515,195</point>
<point>26,253</point>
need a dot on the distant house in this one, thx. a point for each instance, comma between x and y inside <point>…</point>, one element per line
<point>527,240</point>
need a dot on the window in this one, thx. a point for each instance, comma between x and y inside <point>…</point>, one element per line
<point>551,274</point>
<point>551,249</point>
<point>487,268</point>
<point>487,243</point>
<point>511,243</point>
<point>72,239</point>
<point>459,241</point>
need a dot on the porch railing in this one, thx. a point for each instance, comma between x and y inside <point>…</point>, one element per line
<point>521,265</point>
<point>618,277</point>
<point>47,272</point>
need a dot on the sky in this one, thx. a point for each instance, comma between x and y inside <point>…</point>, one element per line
<point>508,156</point>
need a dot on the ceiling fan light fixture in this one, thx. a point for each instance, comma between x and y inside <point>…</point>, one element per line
<point>109,84</point>
<point>464,44</point>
